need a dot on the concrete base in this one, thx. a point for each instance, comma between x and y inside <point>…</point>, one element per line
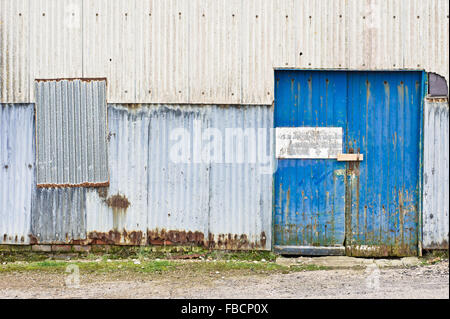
<point>348,262</point>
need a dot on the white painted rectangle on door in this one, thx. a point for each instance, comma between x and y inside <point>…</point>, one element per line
<point>308,142</point>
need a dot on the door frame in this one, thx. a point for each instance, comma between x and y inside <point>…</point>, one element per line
<point>338,251</point>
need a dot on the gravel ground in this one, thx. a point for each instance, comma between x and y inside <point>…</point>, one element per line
<point>430,281</point>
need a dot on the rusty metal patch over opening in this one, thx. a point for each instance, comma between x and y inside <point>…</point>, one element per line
<point>71,132</point>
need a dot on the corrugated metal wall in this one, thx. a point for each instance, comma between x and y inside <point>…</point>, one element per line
<point>17,180</point>
<point>212,52</point>
<point>436,174</point>
<point>150,199</point>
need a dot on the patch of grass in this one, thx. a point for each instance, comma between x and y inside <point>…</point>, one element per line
<point>434,256</point>
<point>296,268</point>
<point>252,255</point>
<point>158,266</point>
<point>91,266</point>
<point>224,266</point>
<point>244,267</point>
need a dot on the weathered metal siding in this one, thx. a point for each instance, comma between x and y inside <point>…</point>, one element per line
<point>168,202</point>
<point>179,203</point>
<point>212,52</point>
<point>14,51</point>
<point>71,132</point>
<point>436,174</point>
<point>58,215</point>
<point>16,172</point>
<point>150,199</point>
<point>119,213</point>
<point>240,203</point>
<point>179,195</point>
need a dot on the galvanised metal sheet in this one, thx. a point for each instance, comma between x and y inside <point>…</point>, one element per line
<point>58,215</point>
<point>118,213</point>
<point>153,199</point>
<point>211,52</point>
<point>436,173</point>
<point>384,190</point>
<point>16,172</point>
<point>240,195</point>
<point>178,191</point>
<point>14,52</point>
<point>71,133</point>
<point>310,193</point>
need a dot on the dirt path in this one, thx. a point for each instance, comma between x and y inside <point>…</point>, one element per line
<point>416,282</point>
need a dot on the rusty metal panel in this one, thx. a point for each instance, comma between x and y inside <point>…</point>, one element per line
<point>16,172</point>
<point>178,195</point>
<point>436,174</point>
<point>71,133</point>
<point>118,213</point>
<point>154,199</point>
<point>150,198</point>
<point>58,215</point>
<point>240,200</point>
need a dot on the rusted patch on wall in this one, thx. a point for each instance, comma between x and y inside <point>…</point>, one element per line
<point>118,201</point>
<point>236,241</point>
<point>13,239</point>
<point>175,237</point>
<point>438,245</point>
<point>87,184</point>
<point>114,237</point>
<point>380,251</point>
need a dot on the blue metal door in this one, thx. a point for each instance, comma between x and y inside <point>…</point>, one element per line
<point>383,191</point>
<point>371,206</point>
<point>310,193</point>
